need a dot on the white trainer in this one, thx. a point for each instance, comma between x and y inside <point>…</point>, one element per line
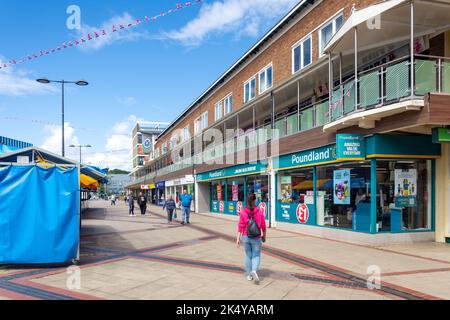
<point>255,277</point>
<point>249,277</point>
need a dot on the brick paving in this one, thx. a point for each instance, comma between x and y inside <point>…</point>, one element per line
<point>145,258</point>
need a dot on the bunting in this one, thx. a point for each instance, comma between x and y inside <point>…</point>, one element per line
<point>96,35</point>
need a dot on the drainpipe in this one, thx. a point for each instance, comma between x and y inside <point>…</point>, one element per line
<point>356,68</point>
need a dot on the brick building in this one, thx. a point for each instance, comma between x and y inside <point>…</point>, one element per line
<point>336,119</point>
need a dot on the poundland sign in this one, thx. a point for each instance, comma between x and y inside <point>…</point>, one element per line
<point>350,147</point>
<point>231,172</point>
<point>307,158</point>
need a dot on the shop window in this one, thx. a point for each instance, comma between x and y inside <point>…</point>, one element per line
<point>235,190</point>
<point>343,196</point>
<point>403,195</point>
<point>295,186</point>
<point>218,191</point>
<point>259,186</point>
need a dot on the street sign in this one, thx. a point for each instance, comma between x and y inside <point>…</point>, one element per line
<point>302,213</point>
<point>145,187</point>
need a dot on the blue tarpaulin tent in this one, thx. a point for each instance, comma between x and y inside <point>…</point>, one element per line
<point>39,208</point>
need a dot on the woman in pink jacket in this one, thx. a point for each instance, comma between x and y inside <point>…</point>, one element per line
<point>252,243</point>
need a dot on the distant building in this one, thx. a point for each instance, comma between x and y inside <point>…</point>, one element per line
<point>144,139</point>
<point>9,145</point>
<point>117,182</point>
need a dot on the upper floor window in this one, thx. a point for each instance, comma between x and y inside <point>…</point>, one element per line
<point>329,30</point>
<point>197,126</point>
<point>204,120</point>
<point>218,111</point>
<point>139,138</point>
<point>228,104</point>
<point>265,79</point>
<point>250,90</point>
<point>301,54</point>
<point>186,133</point>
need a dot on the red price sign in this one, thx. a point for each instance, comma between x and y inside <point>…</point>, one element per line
<point>221,206</point>
<point>239,207</point>
<point>263,208</point>
<point>302,213</point>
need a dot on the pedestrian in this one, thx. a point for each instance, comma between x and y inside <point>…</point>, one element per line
<point>125,199</point>
<point>185,205</point>
<point>170,206</point>
<point>142,202</point>
<point>113,200</point>
<point>131,205</point>
<point>252,233</point>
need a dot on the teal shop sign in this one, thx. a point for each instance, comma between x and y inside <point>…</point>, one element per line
<point>405,202</point>
<point>350,147</point>
<point>307,158</point>
<point>242,170</point>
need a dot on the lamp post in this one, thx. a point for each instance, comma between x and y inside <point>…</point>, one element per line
<point>62,82</point>
<point>80,147</point>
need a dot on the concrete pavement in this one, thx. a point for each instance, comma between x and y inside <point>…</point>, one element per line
<point>145,258</point>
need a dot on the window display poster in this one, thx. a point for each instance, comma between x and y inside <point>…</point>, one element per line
<point>341,182</point>
<point>235,191</point>
<point>219,192</point>
<point>286,189</point>
<point>405,182</point>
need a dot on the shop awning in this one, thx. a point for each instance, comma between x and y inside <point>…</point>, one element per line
<point>390,22</point>
<point>88,182</point>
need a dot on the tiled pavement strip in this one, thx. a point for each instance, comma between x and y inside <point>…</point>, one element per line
<point>146,257</point>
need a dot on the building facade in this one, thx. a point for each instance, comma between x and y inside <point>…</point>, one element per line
<point>116,183</point>
<point>9,145</point>
<point>336,119</point>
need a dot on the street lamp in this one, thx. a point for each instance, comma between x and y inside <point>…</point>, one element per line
<point>86,146</point>
<point>81,83</point>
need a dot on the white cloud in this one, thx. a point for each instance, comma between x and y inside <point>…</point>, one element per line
<point>244,17</point>
<point>128,34</point>
<point>53,141</point>
<point>118,147</point>
<point>14,82</point>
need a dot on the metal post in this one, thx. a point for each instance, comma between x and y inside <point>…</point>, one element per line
<point>373,196</point>
<point>298,106</point>
<point>412,48</point>
<point>330,86</point>
<point>439,75</point>
<point>62,116</point>
<point>356,68</point>
<point>340,83</point>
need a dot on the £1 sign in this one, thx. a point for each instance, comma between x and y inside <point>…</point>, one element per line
<point>302,213</point>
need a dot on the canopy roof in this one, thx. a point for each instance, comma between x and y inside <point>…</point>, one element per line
<point>38,155</point>
<point>394,19</point>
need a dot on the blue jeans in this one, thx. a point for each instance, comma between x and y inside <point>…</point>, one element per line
<point>252,247</point>
<point>185,214</point>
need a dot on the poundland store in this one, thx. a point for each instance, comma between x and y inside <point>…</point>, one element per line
<point>370,186</point>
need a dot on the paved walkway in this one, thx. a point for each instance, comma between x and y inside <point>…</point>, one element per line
<point>145,258</point>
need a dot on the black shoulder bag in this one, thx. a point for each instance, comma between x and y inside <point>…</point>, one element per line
<point>253,230</point>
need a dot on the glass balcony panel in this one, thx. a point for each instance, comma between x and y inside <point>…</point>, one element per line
<point>369,89</point>
<point>349,97</point>
<point>336,105</point>
<point>425,77</point>
<point>322,113</point>
<point>280,127</point>
<point>292,124</point>
<point>446,77</point>
<point>397,81</point>
<point>307,119</point>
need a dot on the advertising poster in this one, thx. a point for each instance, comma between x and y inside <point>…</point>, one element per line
<point>405,187</point>
<point>235,191</point>
<point>219,192</point>
<point>342,189</point>
<point>286,189</point>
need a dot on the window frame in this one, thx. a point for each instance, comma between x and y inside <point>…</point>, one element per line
<point>218,107</point>
<point>264,71</point>
<point>229,98</point>
<point>249,81</point>
<point>332,21</point>
<point>300,44</point>
<point>203,125</point>
<point>197,129</point>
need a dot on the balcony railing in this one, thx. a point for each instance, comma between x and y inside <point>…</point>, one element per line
<point>391,83</point>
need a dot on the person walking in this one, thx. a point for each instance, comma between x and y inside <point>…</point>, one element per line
<point>252,233</point>
<point>170,206</point>
<point>131,205</point>
<point>142,202</point>
<point>185,204</point>
<point>113,200</point>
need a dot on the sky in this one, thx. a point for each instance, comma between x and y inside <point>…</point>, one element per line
<point>148,72</point>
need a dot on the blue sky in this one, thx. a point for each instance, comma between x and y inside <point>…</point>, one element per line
<point>151,72</point>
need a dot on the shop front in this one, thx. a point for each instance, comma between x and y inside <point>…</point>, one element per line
<point>160,187</point>
<point>174,188</point>
<point>229,187</point>
<point>377,184</point>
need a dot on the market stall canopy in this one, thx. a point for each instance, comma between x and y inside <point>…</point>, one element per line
<point>88,182</point>
<point>390,20</point>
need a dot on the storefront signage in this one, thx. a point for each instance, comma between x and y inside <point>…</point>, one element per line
<point>350,147</point>
<point>307,158</point>
<point>147,146</point>
<point>145,187</point>
<point>302,213</point>
<point>246,169</point>
<point>221,206</point>
<point>235,192</point>
<point>441,135</point>
<point>341,183</point>
<point>161,184</point>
